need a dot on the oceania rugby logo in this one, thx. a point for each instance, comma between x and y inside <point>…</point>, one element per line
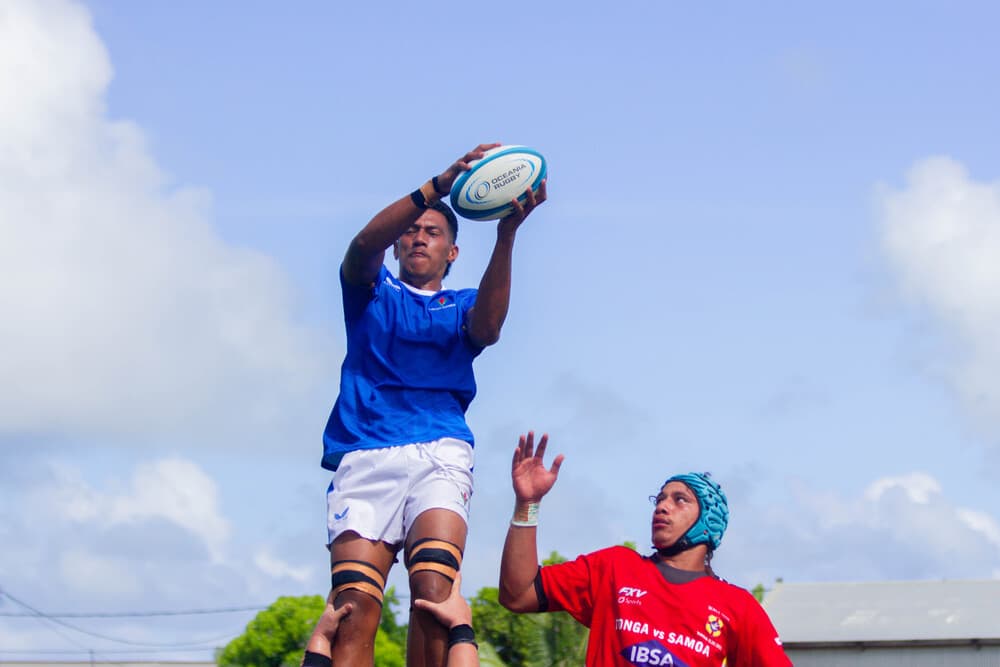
<point>651,653</point>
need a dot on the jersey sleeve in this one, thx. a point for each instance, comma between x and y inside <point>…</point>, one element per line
<point>759,644</point>
<point>568,588</point>
<point>357,297</point>
<point>466,300</point>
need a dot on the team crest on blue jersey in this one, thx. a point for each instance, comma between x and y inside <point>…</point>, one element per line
<point>651,653</point>
<point>441,302</point>
<point>714,625</point>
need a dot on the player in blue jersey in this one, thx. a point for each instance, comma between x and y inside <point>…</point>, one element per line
<point>396,439</point>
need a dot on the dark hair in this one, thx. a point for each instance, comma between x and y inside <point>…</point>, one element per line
<point>449,215</point>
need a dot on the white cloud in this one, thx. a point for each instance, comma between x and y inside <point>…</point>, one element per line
<point>93,574</point>
<point>173,490</point>
<point>919,487</point>
<point>122,311</point>
<point>279,569</point>
<point>941,235</point>
<point>981,522</point>
<point>899,527</point>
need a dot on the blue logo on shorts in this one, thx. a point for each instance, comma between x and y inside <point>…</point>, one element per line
<point>343,514</point>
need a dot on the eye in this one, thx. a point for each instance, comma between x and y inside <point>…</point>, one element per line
<point>656,500</point>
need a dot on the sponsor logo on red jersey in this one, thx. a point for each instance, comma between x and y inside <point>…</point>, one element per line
<point>629,595</point>
<point>651,653</point>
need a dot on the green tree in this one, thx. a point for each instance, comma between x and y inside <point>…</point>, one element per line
<point>528,640</point>
<point>277,636</point>
<point>390,640</point>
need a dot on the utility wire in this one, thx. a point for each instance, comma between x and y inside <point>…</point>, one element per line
<point>136,614</point>
<point>41,615</point>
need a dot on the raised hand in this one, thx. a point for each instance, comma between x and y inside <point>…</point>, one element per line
<point>528,472</point>
<point>514,219</point>
<point>447,178</point>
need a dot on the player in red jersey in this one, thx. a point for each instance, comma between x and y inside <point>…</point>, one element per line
<point>668,608</point>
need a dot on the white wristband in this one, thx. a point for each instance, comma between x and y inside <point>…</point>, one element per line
<point>525,515</point>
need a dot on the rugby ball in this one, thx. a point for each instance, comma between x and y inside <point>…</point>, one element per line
<point>503,173</point>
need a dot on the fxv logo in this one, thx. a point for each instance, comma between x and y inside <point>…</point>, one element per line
<point>629,595</point>
<point>628,592</point>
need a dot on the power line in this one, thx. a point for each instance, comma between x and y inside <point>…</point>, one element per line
<point>136,614</point>
<point>204,643</point>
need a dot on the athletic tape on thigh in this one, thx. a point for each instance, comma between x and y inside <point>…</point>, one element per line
<point>358,575</point>
<point>431,555</point>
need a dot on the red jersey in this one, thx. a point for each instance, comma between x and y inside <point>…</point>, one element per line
<point>637,617</point>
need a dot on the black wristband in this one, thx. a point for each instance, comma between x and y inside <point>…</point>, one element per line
<point>418,199</point>
<point>316,660</point>
<point>434,184</point>
<point>462,634</point>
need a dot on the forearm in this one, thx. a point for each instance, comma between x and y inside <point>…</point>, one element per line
<point>319,644</point>
<point>493,298</point>
<point>366,252</point>
<point>519,566</point>
<point>463,655</point>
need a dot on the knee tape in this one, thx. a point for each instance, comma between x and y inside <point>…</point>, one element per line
<point>357,575</point>
<point>431,555</point>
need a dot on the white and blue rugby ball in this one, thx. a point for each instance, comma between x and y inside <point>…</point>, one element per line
<point>503,173</point>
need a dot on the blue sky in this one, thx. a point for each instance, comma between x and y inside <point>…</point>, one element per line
<point>769,252</point>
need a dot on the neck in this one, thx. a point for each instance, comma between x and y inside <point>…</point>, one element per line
<point>691,559</point>
<point>431,284</point>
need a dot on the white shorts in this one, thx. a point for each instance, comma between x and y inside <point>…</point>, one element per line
<point>379,493</point>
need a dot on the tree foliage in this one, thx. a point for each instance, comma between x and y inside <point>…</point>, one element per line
<point>528,640</point>
<point>277,636</point>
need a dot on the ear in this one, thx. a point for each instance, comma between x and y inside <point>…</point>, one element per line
<point>453,253</point>
<point>395,249</point>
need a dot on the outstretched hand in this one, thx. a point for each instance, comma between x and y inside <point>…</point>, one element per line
<point>452,611</point>
<point>447,178</point>
<point>530,477</point>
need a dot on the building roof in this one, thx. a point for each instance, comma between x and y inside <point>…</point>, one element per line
<point>886,611</point>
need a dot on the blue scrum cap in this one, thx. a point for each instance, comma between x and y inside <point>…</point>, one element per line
<point>714,515</point>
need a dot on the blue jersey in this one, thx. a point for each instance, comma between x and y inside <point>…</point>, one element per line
<point>407,376</point>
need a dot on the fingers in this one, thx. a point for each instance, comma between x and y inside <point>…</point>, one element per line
<point>473,155</point>
<point>482,148</point>
<point>454,609</point>
<point>532,200</point>
<point>556,465</point>
<point>540,452</point>
<point>456,586</point>
<point>339,614</point>
<point>526,447</point>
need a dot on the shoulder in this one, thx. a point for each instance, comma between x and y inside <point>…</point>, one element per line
<point>614,555</point>
<point>466,296</point>
<point>383,277</point>
<point>738,598</point>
